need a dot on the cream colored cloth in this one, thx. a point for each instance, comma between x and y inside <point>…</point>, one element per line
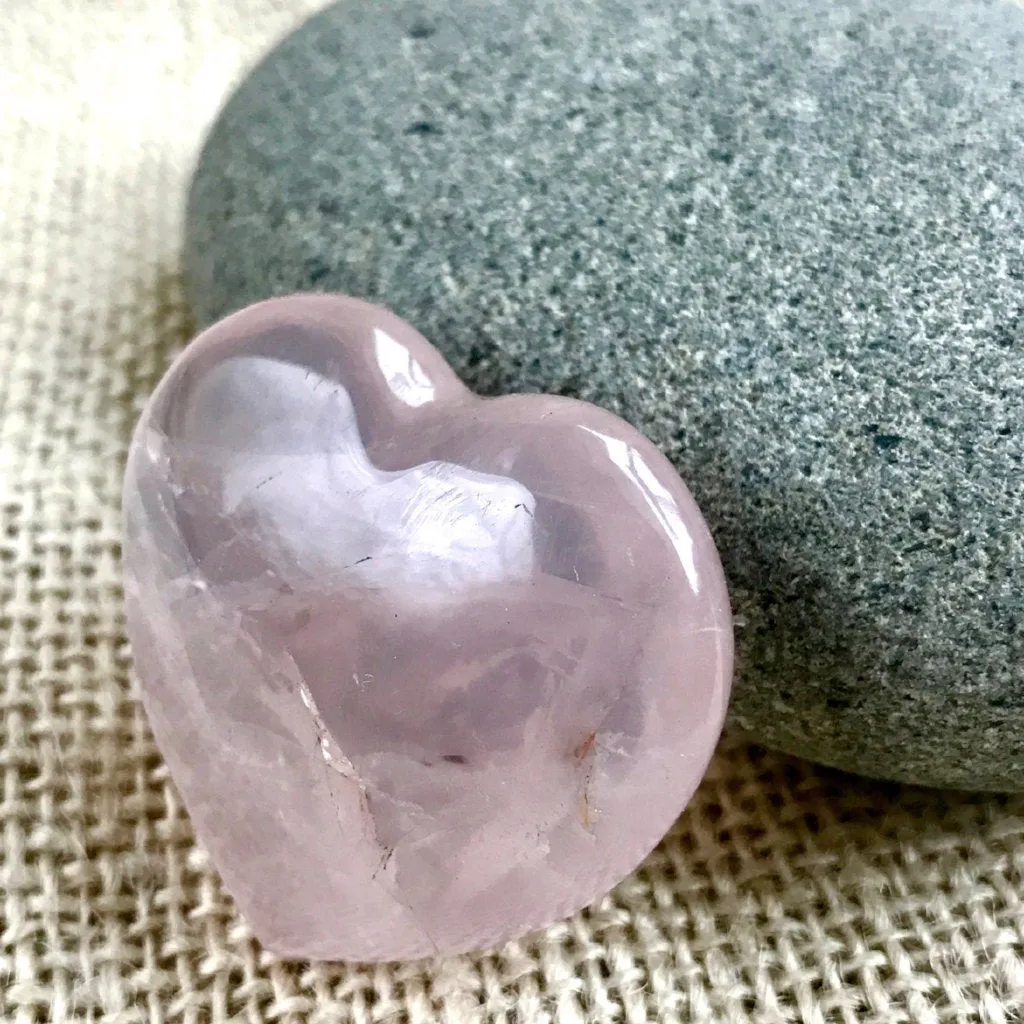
<point>785,893</point>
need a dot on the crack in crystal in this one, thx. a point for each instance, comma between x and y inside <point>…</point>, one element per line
<point>334,760</point>
<point>584,755</point>
<point>338,762</point>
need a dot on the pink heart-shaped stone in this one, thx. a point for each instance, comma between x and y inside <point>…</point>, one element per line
<point>430,671</point>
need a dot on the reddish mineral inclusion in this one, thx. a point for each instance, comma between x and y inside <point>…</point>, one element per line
<point>430,671</point>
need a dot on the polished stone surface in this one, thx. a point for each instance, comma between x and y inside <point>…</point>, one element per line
<point>430,671</point>
<point>785,239</point>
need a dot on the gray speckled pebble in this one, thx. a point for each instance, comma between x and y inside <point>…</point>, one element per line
<point>785,239</point>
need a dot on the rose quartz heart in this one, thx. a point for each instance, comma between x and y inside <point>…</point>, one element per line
<point>430,671</point>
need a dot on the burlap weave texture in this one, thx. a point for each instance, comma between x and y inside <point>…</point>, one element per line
<point>785,893</point>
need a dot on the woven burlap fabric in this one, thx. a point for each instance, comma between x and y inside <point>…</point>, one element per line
<point>785,893</point>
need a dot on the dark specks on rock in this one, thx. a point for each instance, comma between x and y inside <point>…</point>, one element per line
<point>423,128</point>
<point>317,269</point>
<point>922,519</point>
<point>570,387</point>
<point>1009,333</point>
<point>887,442</point>
<point>884,442</point>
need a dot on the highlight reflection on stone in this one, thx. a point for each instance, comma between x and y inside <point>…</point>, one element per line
<point>430,671</point>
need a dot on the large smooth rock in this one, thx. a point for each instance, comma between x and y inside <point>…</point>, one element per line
<point>784,239</point>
